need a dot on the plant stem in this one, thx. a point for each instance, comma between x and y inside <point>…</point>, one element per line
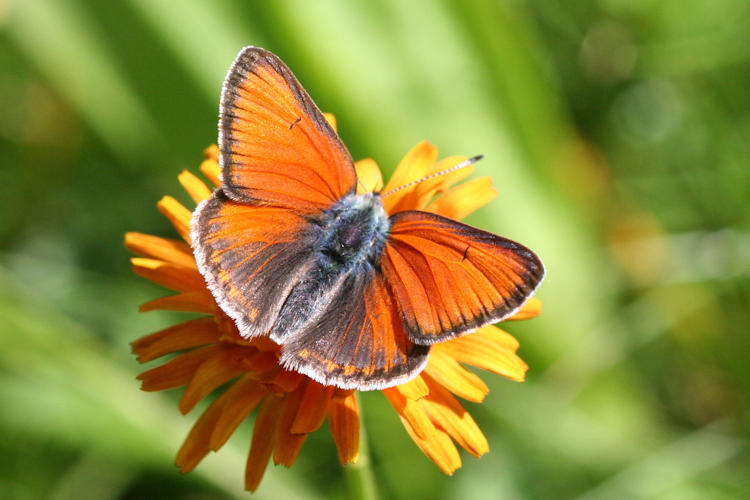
<point>359,475</point>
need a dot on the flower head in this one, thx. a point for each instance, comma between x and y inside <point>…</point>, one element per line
<point>211,353</point>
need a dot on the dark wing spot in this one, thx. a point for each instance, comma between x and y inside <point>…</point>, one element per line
<point>466,253</point>
<point>295,122</point>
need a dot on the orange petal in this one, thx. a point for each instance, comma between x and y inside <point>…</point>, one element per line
<point>210,168</point>
<point>214,372</point>
<point>411,413</point>
<point>414,389</point>
<point>331,120</point>
<point>489,348</point>
<point>262,343</point>
<point>264,438</point>
<point>341,394</point>
<point>168,275</point>
<point>177,214</point>
<point>500,337</point>
<point>423,192</point>
<point>343,420</point>
<point>439,448</point>
<point>532,307</point>
<point>193,333</point>
<point>286,381</point>
<point>450,374</point>
<point>196,445</point>
<point>448,414</point>
<point>198,301</point>
<point>195,187</point>
<point>369,176</point>
<point>312,408</point>
<point>288,443</point>
<point>242,398</point>
<point>414,165</point>
<point>211,153</point>
<point>259,362</point>
<point>460,201</point>
<point>173,251</point>
<point>178,371</point>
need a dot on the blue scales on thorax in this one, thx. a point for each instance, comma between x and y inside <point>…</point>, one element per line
<point>348,242</point>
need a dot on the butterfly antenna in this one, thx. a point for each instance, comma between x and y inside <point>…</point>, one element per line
<point>455,167</point>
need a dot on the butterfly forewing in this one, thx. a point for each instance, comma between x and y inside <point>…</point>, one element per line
<point>276,147</point>
<point>449,278</point>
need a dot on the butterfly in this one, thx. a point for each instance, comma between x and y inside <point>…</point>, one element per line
<point>354,297</point>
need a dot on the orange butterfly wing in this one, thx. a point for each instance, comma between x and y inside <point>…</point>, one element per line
<point>251,258</point>
<point>449,278</point>
<point>358,341</point>
<point>276,147</point>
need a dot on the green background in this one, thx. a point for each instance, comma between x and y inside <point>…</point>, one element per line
<point>617,133</point>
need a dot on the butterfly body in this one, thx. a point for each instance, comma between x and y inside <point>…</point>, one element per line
<point>354,295</point>
<point>347,240</point>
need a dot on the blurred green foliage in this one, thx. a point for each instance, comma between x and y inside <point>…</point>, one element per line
<point>618,135</point>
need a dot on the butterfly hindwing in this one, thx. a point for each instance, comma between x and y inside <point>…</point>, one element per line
<point>449,278</point>
<point>358,340</point>
<point>276,147</point>
<point>251,257</point>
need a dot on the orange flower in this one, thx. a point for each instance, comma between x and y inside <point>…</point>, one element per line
<point>211,351</point>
